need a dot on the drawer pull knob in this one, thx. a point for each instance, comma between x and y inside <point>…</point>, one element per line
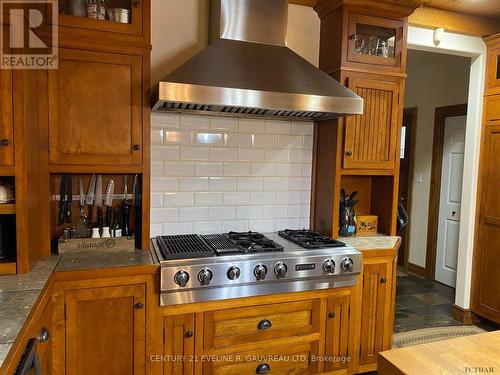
<point>383,280</point>
<point>138,305</point>
<point>264,324</point>
<point>331,315</point>
<point>44,335</point>
<point>348,153</point>
<point>4,142</point>
<point>263,368</point>
<point>189,334</point>
<point>136,147</point>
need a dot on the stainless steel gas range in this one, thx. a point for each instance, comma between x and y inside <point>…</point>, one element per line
<point>198,268</point>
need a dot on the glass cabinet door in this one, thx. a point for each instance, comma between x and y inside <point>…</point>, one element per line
<point>374,40</point>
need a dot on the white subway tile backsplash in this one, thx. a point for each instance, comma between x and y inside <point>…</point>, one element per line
<point>236,168</point>
<point>178,137</point>
<point>302,128</point>
<point>193,214</point>
<point>222,213</point>
<point>164,215</point>
<point>178,199</point>
<point>164,120</point>
<point>250,183</point>
<point>178,168</point>
<point>251,154</point>
<point>222,183</point>
<point>236,198</point>
<point>177,228</point>
<point>194,152</point>
<point>195,122</point>
<point>165,153</point>
<point>164,184</point>
<point>263,169</point>
<point>263,197</point>
<point>247,125</point>
<point>223,154</point>
<point>206,168</point>
<point>249,212</point>
<point>238,140</point>
<point>217,174</point>
<point>156,229</point>
<point>193,183</point>
<point>277,127</point>
<point>208,198</point>
<point>265,140</point>
<point>229,124</point>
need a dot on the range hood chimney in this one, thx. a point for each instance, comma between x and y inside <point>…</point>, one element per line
<point>248,71</point>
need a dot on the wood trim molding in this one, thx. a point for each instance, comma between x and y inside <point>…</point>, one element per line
<point>464,316</point>
<point>437,160</point>
<point>462,23</point>
<point>416,269</point>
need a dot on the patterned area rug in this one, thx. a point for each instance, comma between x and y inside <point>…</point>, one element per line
<point>426,335</point>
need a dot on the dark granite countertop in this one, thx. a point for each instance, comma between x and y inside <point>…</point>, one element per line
<point>19,293</point>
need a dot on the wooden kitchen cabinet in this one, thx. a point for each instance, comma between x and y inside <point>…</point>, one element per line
<point>6,119</point>
<point>371,138</point>
<point>106,330</point>
<point>95,109</point>
<point>179,344</point>
<point>337,331</point>
<point>377,308</point>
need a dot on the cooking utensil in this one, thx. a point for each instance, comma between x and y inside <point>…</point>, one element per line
<point>90,198</point>
<point>108,199</point>
<point>69,198</point>
<point>126,211</point>
<point>121,15</point>
<point>63,203</point>
<point>98,200</point>
<point>81,226</point>
<point>136,203</point>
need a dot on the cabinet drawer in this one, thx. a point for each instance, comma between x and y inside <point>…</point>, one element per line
<point>259,323</point>
<point>291,359</point>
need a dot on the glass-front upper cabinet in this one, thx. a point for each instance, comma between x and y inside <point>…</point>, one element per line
<point>115,16</point>
<point>375,40</point>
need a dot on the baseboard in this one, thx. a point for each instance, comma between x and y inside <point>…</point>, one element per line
<point>416,270</point>
<point>464,316</point>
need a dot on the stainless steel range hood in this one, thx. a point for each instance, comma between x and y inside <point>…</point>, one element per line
<point>249,71</point>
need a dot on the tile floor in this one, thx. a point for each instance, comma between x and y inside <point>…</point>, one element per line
<point>422,304</point>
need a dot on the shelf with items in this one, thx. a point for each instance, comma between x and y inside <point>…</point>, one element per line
<point>7,195</point>
<point>7,208</point>
<point>72,220</point>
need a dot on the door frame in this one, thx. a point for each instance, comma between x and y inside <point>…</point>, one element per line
<point>409,204</point>
<point>437,164</point>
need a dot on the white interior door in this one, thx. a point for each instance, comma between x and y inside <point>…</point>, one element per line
<point>450,200</point>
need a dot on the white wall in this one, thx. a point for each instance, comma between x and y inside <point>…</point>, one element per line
<point>434,80</point>
<point>179,30</point>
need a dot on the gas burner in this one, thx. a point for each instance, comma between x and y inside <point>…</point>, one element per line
<point>253,242</point>
<point>309,239</point>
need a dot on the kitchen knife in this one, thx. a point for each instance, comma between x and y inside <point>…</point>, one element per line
<point>136,202</point>
<point>126,211</point>
<point>108,198</point>
<point>82,223</point>
<point>69,197</point>
<point>98,200</point>
<point>90,198</point>
<point>63,199</point>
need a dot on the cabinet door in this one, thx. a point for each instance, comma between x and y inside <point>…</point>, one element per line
<point>493,71</point>
<point>95,109</point>
<point>486,285</point>
<point>6,121</point>
<point>106,330</point>
<point>43,332</point>
<point>376,311</point>
<point>370,139</point>
<point>337,331</point>
<point>179,345</point>
<point>375,40</point>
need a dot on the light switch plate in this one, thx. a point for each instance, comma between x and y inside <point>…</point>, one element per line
<point>419,178</point>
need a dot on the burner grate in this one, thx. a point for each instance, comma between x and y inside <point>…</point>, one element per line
<point>183,246</point>
<point>309,239</point>
<point>221,244</point>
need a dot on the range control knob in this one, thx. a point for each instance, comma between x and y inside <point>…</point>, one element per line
<point>329,266</point>
<point>347,264</point>
<point>181,278</point>
<point>260,272</point>
<point>233,273</point>
<point>205,276</point>
<point>280,270</point>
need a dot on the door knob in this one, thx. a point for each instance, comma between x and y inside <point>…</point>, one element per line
<point>383,280</point>
<point>348,153</point>
<point>331,315</point>
<point>4,142</point>
<point>189,334</point>
<point>136,147</point>
<point>138,305</point>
